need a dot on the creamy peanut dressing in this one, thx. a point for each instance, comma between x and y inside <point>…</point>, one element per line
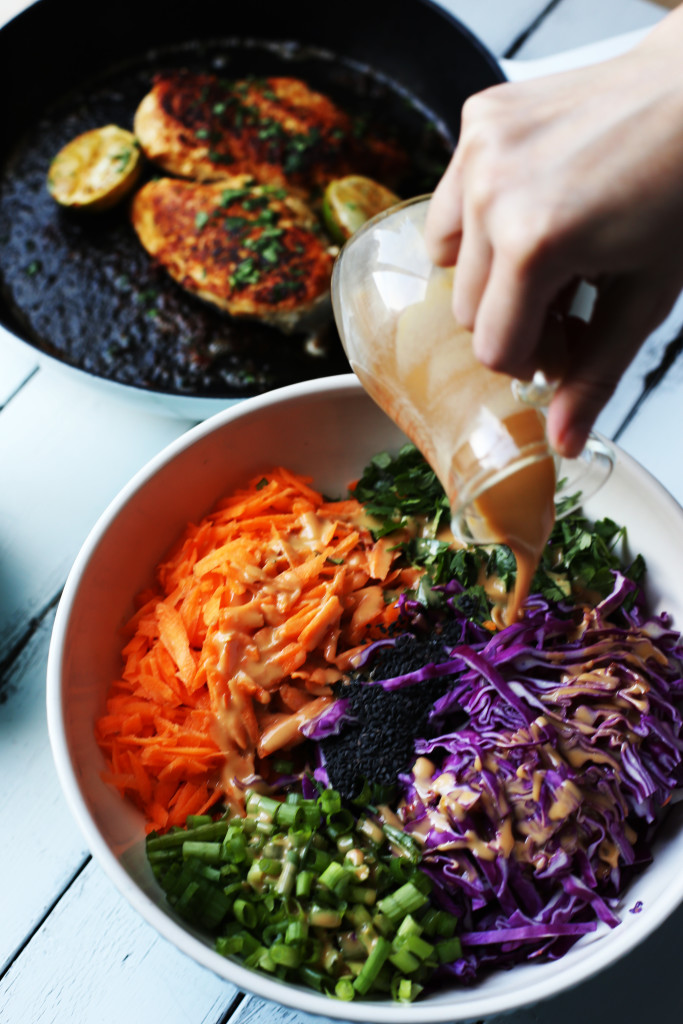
<point>468,425</point>
<point>256,635</point>
<point>521,829</point>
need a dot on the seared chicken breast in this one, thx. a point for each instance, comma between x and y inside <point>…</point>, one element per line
<point>253,250</point>
<point>277,129</point>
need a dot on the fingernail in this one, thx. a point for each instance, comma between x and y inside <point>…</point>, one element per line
<point>571,442</point>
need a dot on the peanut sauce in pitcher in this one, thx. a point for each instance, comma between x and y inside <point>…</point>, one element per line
<point>487,448</point>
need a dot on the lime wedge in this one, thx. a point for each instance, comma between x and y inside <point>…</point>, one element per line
<point>95,170</point>
<point>351,201</point>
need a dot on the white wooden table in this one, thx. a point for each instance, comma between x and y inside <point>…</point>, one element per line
<point>71,950</point>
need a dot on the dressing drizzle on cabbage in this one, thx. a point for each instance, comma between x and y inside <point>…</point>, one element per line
<point>550,758</point>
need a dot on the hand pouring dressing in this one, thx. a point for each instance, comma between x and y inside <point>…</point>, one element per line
<point>487,445</point>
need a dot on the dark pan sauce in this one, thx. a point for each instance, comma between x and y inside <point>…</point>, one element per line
<point>80,286</point>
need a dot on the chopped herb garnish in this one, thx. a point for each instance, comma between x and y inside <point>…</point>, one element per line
<point>148,295</point>
<point>282,289</point>
<point>579,556</point>
<point>245,273</point>
<point>270,130</point>
<point>233,195</point>
<point>201,219</point>
<point>122,159</point>
<point>234,223</point>
<point>255,203</point>
<point>268,216</point>
<point>220,158</point>
<point>268,886</point>
<point>272,253</point>
<point>275,191</point>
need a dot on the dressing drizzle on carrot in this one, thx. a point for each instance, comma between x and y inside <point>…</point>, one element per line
<point>259,609</point>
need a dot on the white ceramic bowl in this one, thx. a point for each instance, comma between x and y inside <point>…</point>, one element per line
<point>328,429</point>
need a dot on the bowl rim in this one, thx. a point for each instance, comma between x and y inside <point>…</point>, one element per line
<point>472,1003</point>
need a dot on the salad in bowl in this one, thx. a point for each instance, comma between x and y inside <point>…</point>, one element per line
<point>297,732</point>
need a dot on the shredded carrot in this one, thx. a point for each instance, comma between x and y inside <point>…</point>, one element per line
<point>259,609</point>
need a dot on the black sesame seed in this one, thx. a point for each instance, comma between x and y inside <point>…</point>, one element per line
<point>379,744</point>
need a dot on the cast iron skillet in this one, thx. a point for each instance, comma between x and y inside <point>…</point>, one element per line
<point>411,50</point>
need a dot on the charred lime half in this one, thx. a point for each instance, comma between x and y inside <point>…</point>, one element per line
<point>351,201</point>
<point>96,169</point>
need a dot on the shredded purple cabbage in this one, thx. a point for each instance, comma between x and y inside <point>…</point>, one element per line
<point>535,814</point>
<point>329,722</point>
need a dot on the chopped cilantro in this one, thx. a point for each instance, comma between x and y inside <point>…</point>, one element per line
<point>579,557</point>
<point>233,195</point>
<point>245,273</point>
<point>396,490</point>
<point>122,159</point>
<point>220,158</point>
<point>272,253</point>
<point>255,203</point>
<point>270,129</point>
<point>268,216</point>
<point>275,191</point>
<point>201,219</point>
<point>234,223</point>
<point>281,289</point>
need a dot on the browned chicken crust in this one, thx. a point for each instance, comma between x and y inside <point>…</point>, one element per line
<point>250,249</point>
<point>277,129</point>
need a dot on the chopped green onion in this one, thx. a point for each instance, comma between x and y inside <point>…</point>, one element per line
<point>403,842</point>
<point>245,913</point>
<point>304,883</point>
<point>296,932</point>
<point>372,966</point>
<point>290,814</point>
<point>449,950</point>
<point>216,830</point>
<point>194,820</point>
<point>316,979</point>
<point>329,802</point>
<point>324,917</point>
<point>289,956</point>
<point>263,807</point>
<point>370,828</point>
<point>404,901</point>
<point>339,823</point>
<point>417,945</point>
<point>403,990</point>
<point>288,889</point>
<point>335,877</point>
<point>409,926</point>
<point>404,960</point>
<point>359,894</point>
<point>344,989</point>
<point>210,853</point>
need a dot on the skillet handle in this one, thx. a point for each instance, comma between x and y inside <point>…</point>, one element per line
<point>517,70</point>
